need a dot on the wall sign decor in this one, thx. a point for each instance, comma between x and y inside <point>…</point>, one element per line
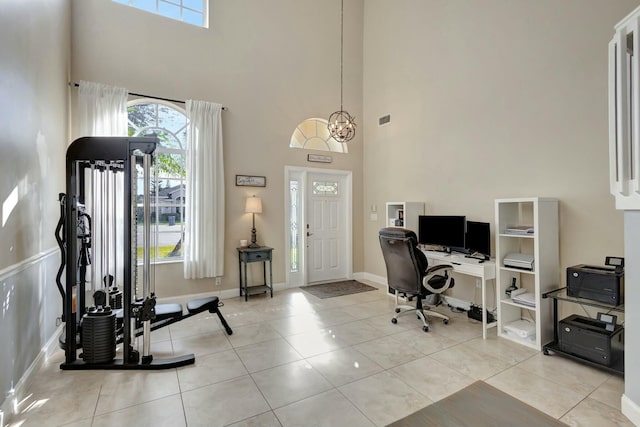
<point>318,158</point>
<point>251,181</point>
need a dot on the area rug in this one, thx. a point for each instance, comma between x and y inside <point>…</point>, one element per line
<point>337,289</point>
<point>478,405</point>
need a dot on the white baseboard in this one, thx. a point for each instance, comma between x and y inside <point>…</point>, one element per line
<point>225,293</point>
<point>10,403</point>
<point>379,281</point>
<point>630,409</point>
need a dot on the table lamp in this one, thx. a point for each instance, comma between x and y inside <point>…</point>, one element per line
<point>253,206</point>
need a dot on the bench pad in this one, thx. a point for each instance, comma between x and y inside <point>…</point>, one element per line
<point>168,311</point>
<point>201,304</point>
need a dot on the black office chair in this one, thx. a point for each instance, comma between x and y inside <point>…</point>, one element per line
<point>408,273</point>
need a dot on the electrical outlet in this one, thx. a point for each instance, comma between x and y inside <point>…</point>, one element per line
<point>218,281</point>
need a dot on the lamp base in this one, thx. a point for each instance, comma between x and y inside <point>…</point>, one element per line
<point>253,244</point>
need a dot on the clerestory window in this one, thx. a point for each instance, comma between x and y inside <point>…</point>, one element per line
<point>190,11</point>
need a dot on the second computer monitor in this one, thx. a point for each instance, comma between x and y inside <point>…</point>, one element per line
<point>447,231</point>
<point>478,238</point>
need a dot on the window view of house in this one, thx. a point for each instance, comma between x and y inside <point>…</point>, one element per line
<point>169,124</point>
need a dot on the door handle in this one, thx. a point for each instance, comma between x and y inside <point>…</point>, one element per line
<point>309,234</point>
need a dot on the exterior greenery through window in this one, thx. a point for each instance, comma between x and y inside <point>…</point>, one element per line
<point>169,124</point>
<point>190,11</point>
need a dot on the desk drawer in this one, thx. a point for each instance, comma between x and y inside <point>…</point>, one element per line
<point>258,256</point>
<point>470,269</point>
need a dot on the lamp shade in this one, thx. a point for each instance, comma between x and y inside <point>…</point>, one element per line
<point>253,205</point>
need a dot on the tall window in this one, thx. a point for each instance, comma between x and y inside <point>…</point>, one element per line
<point>294,260</point>
<point>169,124</point>
<point>189,11</point>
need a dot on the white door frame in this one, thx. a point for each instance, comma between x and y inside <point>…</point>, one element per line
<point>290,172</point>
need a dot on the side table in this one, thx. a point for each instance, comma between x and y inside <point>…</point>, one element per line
<point>247,255</point>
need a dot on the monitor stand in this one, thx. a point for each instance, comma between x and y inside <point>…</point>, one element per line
<point>478,255</point>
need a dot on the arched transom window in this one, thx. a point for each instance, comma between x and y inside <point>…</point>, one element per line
<point>312,134</point>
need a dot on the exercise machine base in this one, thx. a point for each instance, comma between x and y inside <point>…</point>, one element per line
<point>118,364</point>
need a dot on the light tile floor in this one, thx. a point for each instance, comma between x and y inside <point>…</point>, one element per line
<point>296,360</point>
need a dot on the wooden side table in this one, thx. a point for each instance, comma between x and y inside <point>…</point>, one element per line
<point>247,255</point>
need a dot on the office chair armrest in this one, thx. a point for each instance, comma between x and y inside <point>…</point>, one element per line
<point>434,271</point>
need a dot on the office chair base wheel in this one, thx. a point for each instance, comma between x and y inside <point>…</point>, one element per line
<point>445,321</point>
<point>394,320</point>
<point>425,328</point>
<point>397,310</point>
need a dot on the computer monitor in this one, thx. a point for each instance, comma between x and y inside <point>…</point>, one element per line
<point>478,238</point>
<point>447,231</point>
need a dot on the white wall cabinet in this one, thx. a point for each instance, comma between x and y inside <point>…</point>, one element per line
<point>410,213</point>
<point>543,244</point>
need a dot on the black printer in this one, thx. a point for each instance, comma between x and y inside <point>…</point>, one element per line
<point>602,284</point>
<point>591,339</point>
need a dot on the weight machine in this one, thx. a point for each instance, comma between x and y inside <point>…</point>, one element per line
<point>107,179</point>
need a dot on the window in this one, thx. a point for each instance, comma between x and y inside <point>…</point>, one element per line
<point>313,134</point>
<point>190,11</point>
<point>169,124</point>
<point>325,188</point>
<point>294,261</point>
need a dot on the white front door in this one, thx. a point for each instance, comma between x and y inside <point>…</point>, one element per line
<point>326,227</point>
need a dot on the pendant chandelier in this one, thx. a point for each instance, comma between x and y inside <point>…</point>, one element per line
<point>342,126</point>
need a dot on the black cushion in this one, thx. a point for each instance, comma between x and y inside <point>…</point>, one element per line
<point>438,281</point>
<point>168,311</point>
<point>201,304</point>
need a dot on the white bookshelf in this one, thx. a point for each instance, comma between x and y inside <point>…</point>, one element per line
<point>411,211</point>
<point>543,244</point>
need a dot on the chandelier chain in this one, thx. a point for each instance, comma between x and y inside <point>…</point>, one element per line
<point>341,124</point>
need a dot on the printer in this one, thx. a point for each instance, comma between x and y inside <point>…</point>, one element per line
<point>591,339</point>
<point>520,261</point>
<point>602,284</point>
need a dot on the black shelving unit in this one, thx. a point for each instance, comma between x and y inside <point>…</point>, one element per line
<point>617,367</point>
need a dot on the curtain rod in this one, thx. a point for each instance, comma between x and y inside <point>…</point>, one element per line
<point>149,96</point>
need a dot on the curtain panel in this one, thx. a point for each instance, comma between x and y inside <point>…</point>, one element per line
<point>205,204</point>
<point>102,111</point>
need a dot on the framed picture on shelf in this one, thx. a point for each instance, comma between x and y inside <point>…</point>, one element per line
<point>251,181</point>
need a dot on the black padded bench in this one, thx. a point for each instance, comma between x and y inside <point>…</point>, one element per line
<point>166,314</point>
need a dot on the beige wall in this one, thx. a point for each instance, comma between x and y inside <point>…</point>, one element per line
<point>488,99</point>
<point>271,63</point>
<point>34,66</point>
<point>491,99</point>
<point>34,61</point>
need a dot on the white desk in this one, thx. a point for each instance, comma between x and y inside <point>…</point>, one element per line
<point>483,272</point>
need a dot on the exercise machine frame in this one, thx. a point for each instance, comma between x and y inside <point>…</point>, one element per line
<point>119,154</point>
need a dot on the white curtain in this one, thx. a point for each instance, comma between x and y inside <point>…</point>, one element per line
<point>204,222</point>
<point>102,111</point>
